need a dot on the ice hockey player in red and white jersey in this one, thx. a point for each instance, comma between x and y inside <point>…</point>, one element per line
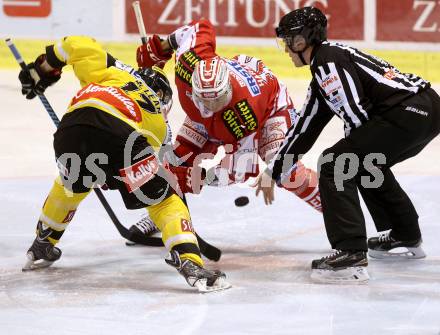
<point>237,103</point>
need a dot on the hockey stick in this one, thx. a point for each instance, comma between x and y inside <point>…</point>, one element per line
<point>210,251</point>
<point>151,241</point>
<point>140,21</point>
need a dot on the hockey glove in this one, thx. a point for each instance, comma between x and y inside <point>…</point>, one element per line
<point>190,179</point>
<point>152,53</point>
<point>34,80</point>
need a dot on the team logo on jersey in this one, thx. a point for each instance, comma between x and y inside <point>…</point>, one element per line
<point>250,81</point>
<point>139,173</point>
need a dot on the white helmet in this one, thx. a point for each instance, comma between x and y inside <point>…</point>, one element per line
<point>211,85</point>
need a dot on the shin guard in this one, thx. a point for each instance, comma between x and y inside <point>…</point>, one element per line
<point>172,218</point>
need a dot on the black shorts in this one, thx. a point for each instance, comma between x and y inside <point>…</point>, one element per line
<point>89,157</point>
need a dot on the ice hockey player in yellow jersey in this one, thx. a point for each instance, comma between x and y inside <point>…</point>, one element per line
<point>110,135</point>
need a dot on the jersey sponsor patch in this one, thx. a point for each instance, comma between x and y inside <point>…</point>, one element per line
<point>185,66</point>
<point>247,115</point>
<point>183,73</point>
<point>330,84</point>
<point>248,79</point>
<point>200,128</point>
<point>233,123</point>
<point>113,96</point>
<point>390,74</point>
<point>241,120</point>
<point>139,173</point>
<point>337,101</point>
<point>192,136</point>
<point>186,225</point>
<point>416,110</point>
<point>190,58</point>
<point>69,216</point>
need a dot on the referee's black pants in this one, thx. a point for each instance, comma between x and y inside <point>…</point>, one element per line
<point>398,134</point>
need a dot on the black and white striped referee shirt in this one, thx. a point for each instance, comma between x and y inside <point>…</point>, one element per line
<point>347,83</point>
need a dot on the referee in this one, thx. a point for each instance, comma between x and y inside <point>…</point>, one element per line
<point>388,116</point>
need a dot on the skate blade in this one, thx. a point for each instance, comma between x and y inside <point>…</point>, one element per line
<point>356,275</point>
<point>31,264</point>
<point>398,253</point>
<point>220,285</point>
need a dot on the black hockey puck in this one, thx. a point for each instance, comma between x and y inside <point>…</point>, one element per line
<point>241,201</point>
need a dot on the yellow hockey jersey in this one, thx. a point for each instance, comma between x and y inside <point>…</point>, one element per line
<point>110,87</point>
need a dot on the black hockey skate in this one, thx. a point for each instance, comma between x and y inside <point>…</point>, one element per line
<point>386,247</point>
<point>196,276</point>
<point>143,228</point>
<point>341,267</point>
<point>42,253</point>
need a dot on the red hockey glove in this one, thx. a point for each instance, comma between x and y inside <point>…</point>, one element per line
<point>152,53</point>
<point>190,179</point>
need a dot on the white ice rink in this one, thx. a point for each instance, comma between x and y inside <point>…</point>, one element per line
<point>100,286</point>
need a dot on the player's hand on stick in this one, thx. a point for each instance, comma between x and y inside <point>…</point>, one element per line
<point>152,53</point>
<point>266,185</point>
<point>34,80</point>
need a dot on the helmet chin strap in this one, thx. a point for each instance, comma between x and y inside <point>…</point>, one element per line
<point>300,54</point>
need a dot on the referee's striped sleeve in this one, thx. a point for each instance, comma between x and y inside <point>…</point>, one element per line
<point>306,128</point>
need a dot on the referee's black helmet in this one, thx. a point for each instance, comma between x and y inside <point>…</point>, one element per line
<point>309,22</point>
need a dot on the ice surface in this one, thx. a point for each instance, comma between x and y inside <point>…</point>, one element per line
<point>101,286</point>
